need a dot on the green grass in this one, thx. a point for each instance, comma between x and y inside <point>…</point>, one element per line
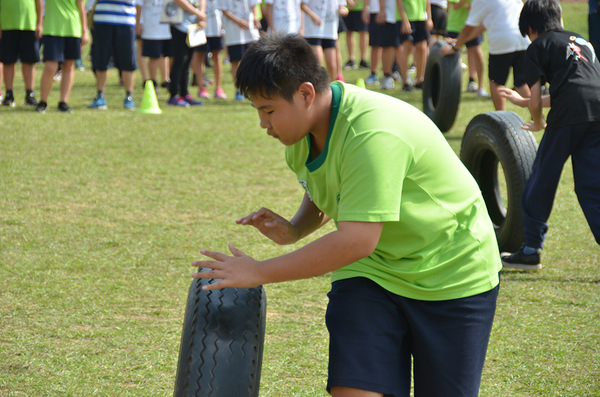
<point>101,214</point>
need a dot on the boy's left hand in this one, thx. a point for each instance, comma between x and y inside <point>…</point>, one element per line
<point>533,126</point>
<point>237,271</point>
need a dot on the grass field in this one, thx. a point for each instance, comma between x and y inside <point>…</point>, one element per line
<point>101,214</point>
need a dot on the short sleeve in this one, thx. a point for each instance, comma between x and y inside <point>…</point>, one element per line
<point>222,5</point>
<point>535,60</point>
<point>477,13</point>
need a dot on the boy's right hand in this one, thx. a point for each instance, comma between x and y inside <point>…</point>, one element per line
<point>271,225</point>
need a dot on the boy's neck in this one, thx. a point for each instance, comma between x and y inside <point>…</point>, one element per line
<point>322,108</point>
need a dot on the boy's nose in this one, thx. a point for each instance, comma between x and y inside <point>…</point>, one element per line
<point>264,123</point>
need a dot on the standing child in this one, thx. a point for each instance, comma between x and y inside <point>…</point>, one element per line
<point>414,259</point>
<point>569,64</point>
<point>354,23</point>
<point>284,16</point>
<point>241,29</point>
<point>321,21</point>
<point>415,37</point>
<point>65,32</point>
<point>369,15</point>
<point>214,45</point>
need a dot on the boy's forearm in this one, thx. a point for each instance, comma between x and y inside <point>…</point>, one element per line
<point>82,17</point>
<point>536,105</point>
<point>308,218</point>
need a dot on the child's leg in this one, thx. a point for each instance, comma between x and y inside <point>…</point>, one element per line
<point>331,56</point>
<point>198,66</point>
<point>375,57</point>
<point>234,67</point>
<point>475,59</point>
<point>153,66</point>
<point>28,75</point>
<point>163,65</point>
<point>9,76</point>
<point>318,50</point>
<point>363,41</point>
<point>68,75</point>
<point>217,66</point>
<point>141,60</point>
<point>407,48</point>
<point>50,68</point>
<point>350,45</point>
<point>420,55</point>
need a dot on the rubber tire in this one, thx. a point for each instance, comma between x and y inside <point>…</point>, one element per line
<point>222,342</point>
<point>442,87</point>
<point>492,138</point>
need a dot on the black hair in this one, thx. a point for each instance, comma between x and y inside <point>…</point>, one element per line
<point>540,15</point>
<point>276,65</point>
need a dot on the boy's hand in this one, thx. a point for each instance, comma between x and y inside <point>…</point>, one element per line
<point>316,20</point>
<point>381,16</point>
<point>533,126</point>
<point>243,24</point>
<point>237,271</point>
<point>271,225</point>
<point>513,96</point>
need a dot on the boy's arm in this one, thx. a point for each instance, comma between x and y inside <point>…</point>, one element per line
<point>269,16</point>
<point>257,24</point>
<point>311,14</point>
<point>429,21</point>
<point>139,29</point>
<point>238,21</point>
<point>406,28</point>
<point>190,9</point>
<point>381,16</point>
<point>84,25</point>
<point>516,98</point>
<point>351,242</point>
<point>535,108</point>
<point>39,9</point>
<point>365,15</point>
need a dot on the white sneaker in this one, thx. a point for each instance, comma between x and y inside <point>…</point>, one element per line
<point>387,83</point>
<point>472,87</point>
<point>482,93</point>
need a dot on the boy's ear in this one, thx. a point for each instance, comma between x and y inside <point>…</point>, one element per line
<point>307,91</point>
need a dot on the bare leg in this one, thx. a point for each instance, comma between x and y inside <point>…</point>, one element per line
<point>349,392</point>
<point>28,75</point>
<point>475,59</point>
<point>363,41</point>
<point>499,102</point>
<point>142,65</point>
<point>331,56</point>
<point>375,57</point>
<point>101,77</point>
<point>198,66</point>
<point>318,50</point>
<point>407,48</point>
<point>153,66</point>
<point>350,45</point>
<point>68,76</point>
<point>9,76</point>
<point>128,79</point>
<point>163,65</point>
<point>388,55</point>
<point>50,68</point>
<point>217,66</point>
<point>420,55</point>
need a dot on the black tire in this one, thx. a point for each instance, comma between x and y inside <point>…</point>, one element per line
<point>222,342</point>
<point>497,138</point>
<point>442,86</point>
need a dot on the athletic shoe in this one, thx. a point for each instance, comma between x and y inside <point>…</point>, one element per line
<point>519,260</point>
<point>41,107</point>
<point>64,108</point>
<point>419,86</point>
<point>372,79</point>
<point>219,93</point>
<point>364,64</point>
<point>1,95</point>
<point>128,103</point>
<point>203,93</point>
<point>98,103</point>
<point>178,101</point>
<point>407,88</point>
<point>58,76</point>
<point>188,98</point>
<point>9,100</point>
<point>472,87</point>
<point>387,83</point>
<point>30,100</point>
<point>206,81</point>
<point>165,84</point>
<point>340,77</point>
<point>396,75</point>
<point>482,93</point>
<point>350,65</point>
<point>238,96</point>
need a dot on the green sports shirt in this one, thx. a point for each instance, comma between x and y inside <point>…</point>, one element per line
<point>62,19</point>
<point>385,161</point>
<point>18,15</point>
<point>416,10</point>
<point>456,18</point>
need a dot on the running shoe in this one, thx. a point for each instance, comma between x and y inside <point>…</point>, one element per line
<point>98,103</point>
<point>178,101</point>
<point>219,93</point>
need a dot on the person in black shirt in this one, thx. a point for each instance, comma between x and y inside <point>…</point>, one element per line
<point>569,64</point>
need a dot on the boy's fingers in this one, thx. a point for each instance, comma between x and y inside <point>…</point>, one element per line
<point>235,251</point>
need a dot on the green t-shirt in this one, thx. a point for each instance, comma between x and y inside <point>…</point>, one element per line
<point>18,15</point>
<point>416,10</point>
<point>385,161</point>
<point>456,18</point>
<point>61,18</point>
<point>358,6</point>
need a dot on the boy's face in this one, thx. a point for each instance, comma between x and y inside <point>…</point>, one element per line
<point>286,121</point>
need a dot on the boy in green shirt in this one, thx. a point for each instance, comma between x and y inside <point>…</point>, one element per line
<point>20,31</point>
<point>414,259</point>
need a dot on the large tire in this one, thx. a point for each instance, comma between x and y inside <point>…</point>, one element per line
<point>497,138</point>
<point>222,342</point>
<point>442,86</point>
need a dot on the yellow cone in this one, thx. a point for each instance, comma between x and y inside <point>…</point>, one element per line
<point>149,101</point>
<point>360,83</point>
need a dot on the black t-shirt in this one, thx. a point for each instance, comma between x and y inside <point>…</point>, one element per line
<point>569,64</point>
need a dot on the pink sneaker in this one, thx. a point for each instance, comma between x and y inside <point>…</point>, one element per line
<point>219,93</point>
<point>340,78</point>
<point>203,93</point>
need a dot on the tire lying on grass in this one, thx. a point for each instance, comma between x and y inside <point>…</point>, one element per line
<point>497,150</point>
<point>222,342</point>
<point>442,86</point>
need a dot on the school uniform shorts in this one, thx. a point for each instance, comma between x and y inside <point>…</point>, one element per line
<point>375,34</point>
<point>61,48</point>
<point>419,33</point>
<point>354,22</point>
<point>156,48</point>
<point>19,44</point>
<point>374,333</point>
<point>499,67</point>
<point>115,40</point>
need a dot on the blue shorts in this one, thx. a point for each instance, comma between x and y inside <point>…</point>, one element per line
<point>374,333</point>
<point>61,48</point>
<point>324,43</point>
<point>19,44</point>
<point>419,33</point>
<point>499,67</point>
<point>374,32</point>
<point>115,40</point>
<point>390,34</point>
<point>475,42</point>
<point>236,52</point>
<point>156,48</point>
<point>354,22</point>
<point>215,43</point>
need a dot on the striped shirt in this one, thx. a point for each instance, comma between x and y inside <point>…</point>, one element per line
<point>115,12</point>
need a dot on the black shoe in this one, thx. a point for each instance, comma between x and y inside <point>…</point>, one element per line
<point>165,84</point>
<point>419,86</point>
<point>63,107</point>
<point>9,100</point>
<point>364,64</point>
<point>519,260</point>
<point>350,65</point>
<point>41,107</point>
<point>30,100</point>
<point>407,88</point>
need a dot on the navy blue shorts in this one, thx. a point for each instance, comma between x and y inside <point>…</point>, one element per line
<point>236,52</point>
<point>215,43</point>
<point>374,32</point>
<point>354,22</point>
<point>374,333</point>
<point>19,44</point>
<point>475,42</point>
<point>500,64</point>
<point>156,48</point>
<point>60,48</point>
<point>439,17</point>
<point>419,33</point>
<point>390,34</point>
<point>324,43</point>
<point>115,40</point>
